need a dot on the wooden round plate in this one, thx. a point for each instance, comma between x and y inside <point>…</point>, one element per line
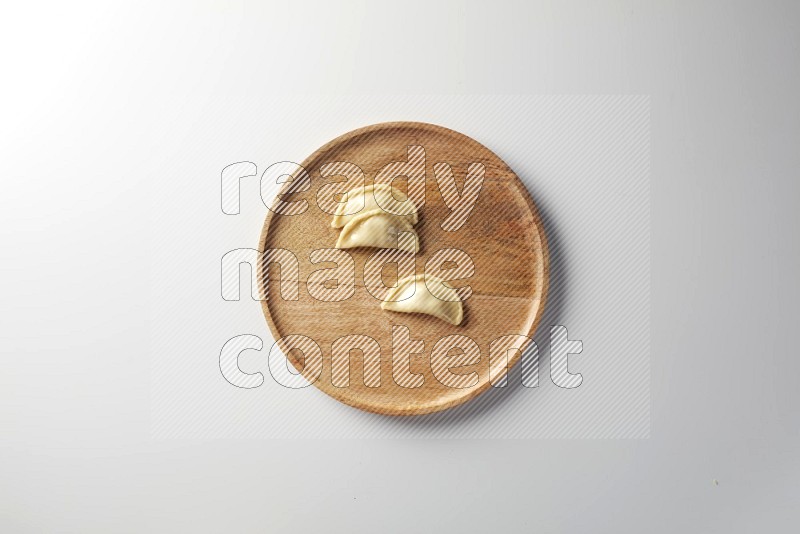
<point>503,236</point>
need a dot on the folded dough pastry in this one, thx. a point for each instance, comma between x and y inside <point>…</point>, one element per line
<point>388,195</point>
<point>378,229</point>
<point>413,296</point>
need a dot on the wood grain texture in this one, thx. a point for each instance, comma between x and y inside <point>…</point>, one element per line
<point>504,237</point>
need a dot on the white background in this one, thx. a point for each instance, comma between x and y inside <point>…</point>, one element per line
<point>100,101</point>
